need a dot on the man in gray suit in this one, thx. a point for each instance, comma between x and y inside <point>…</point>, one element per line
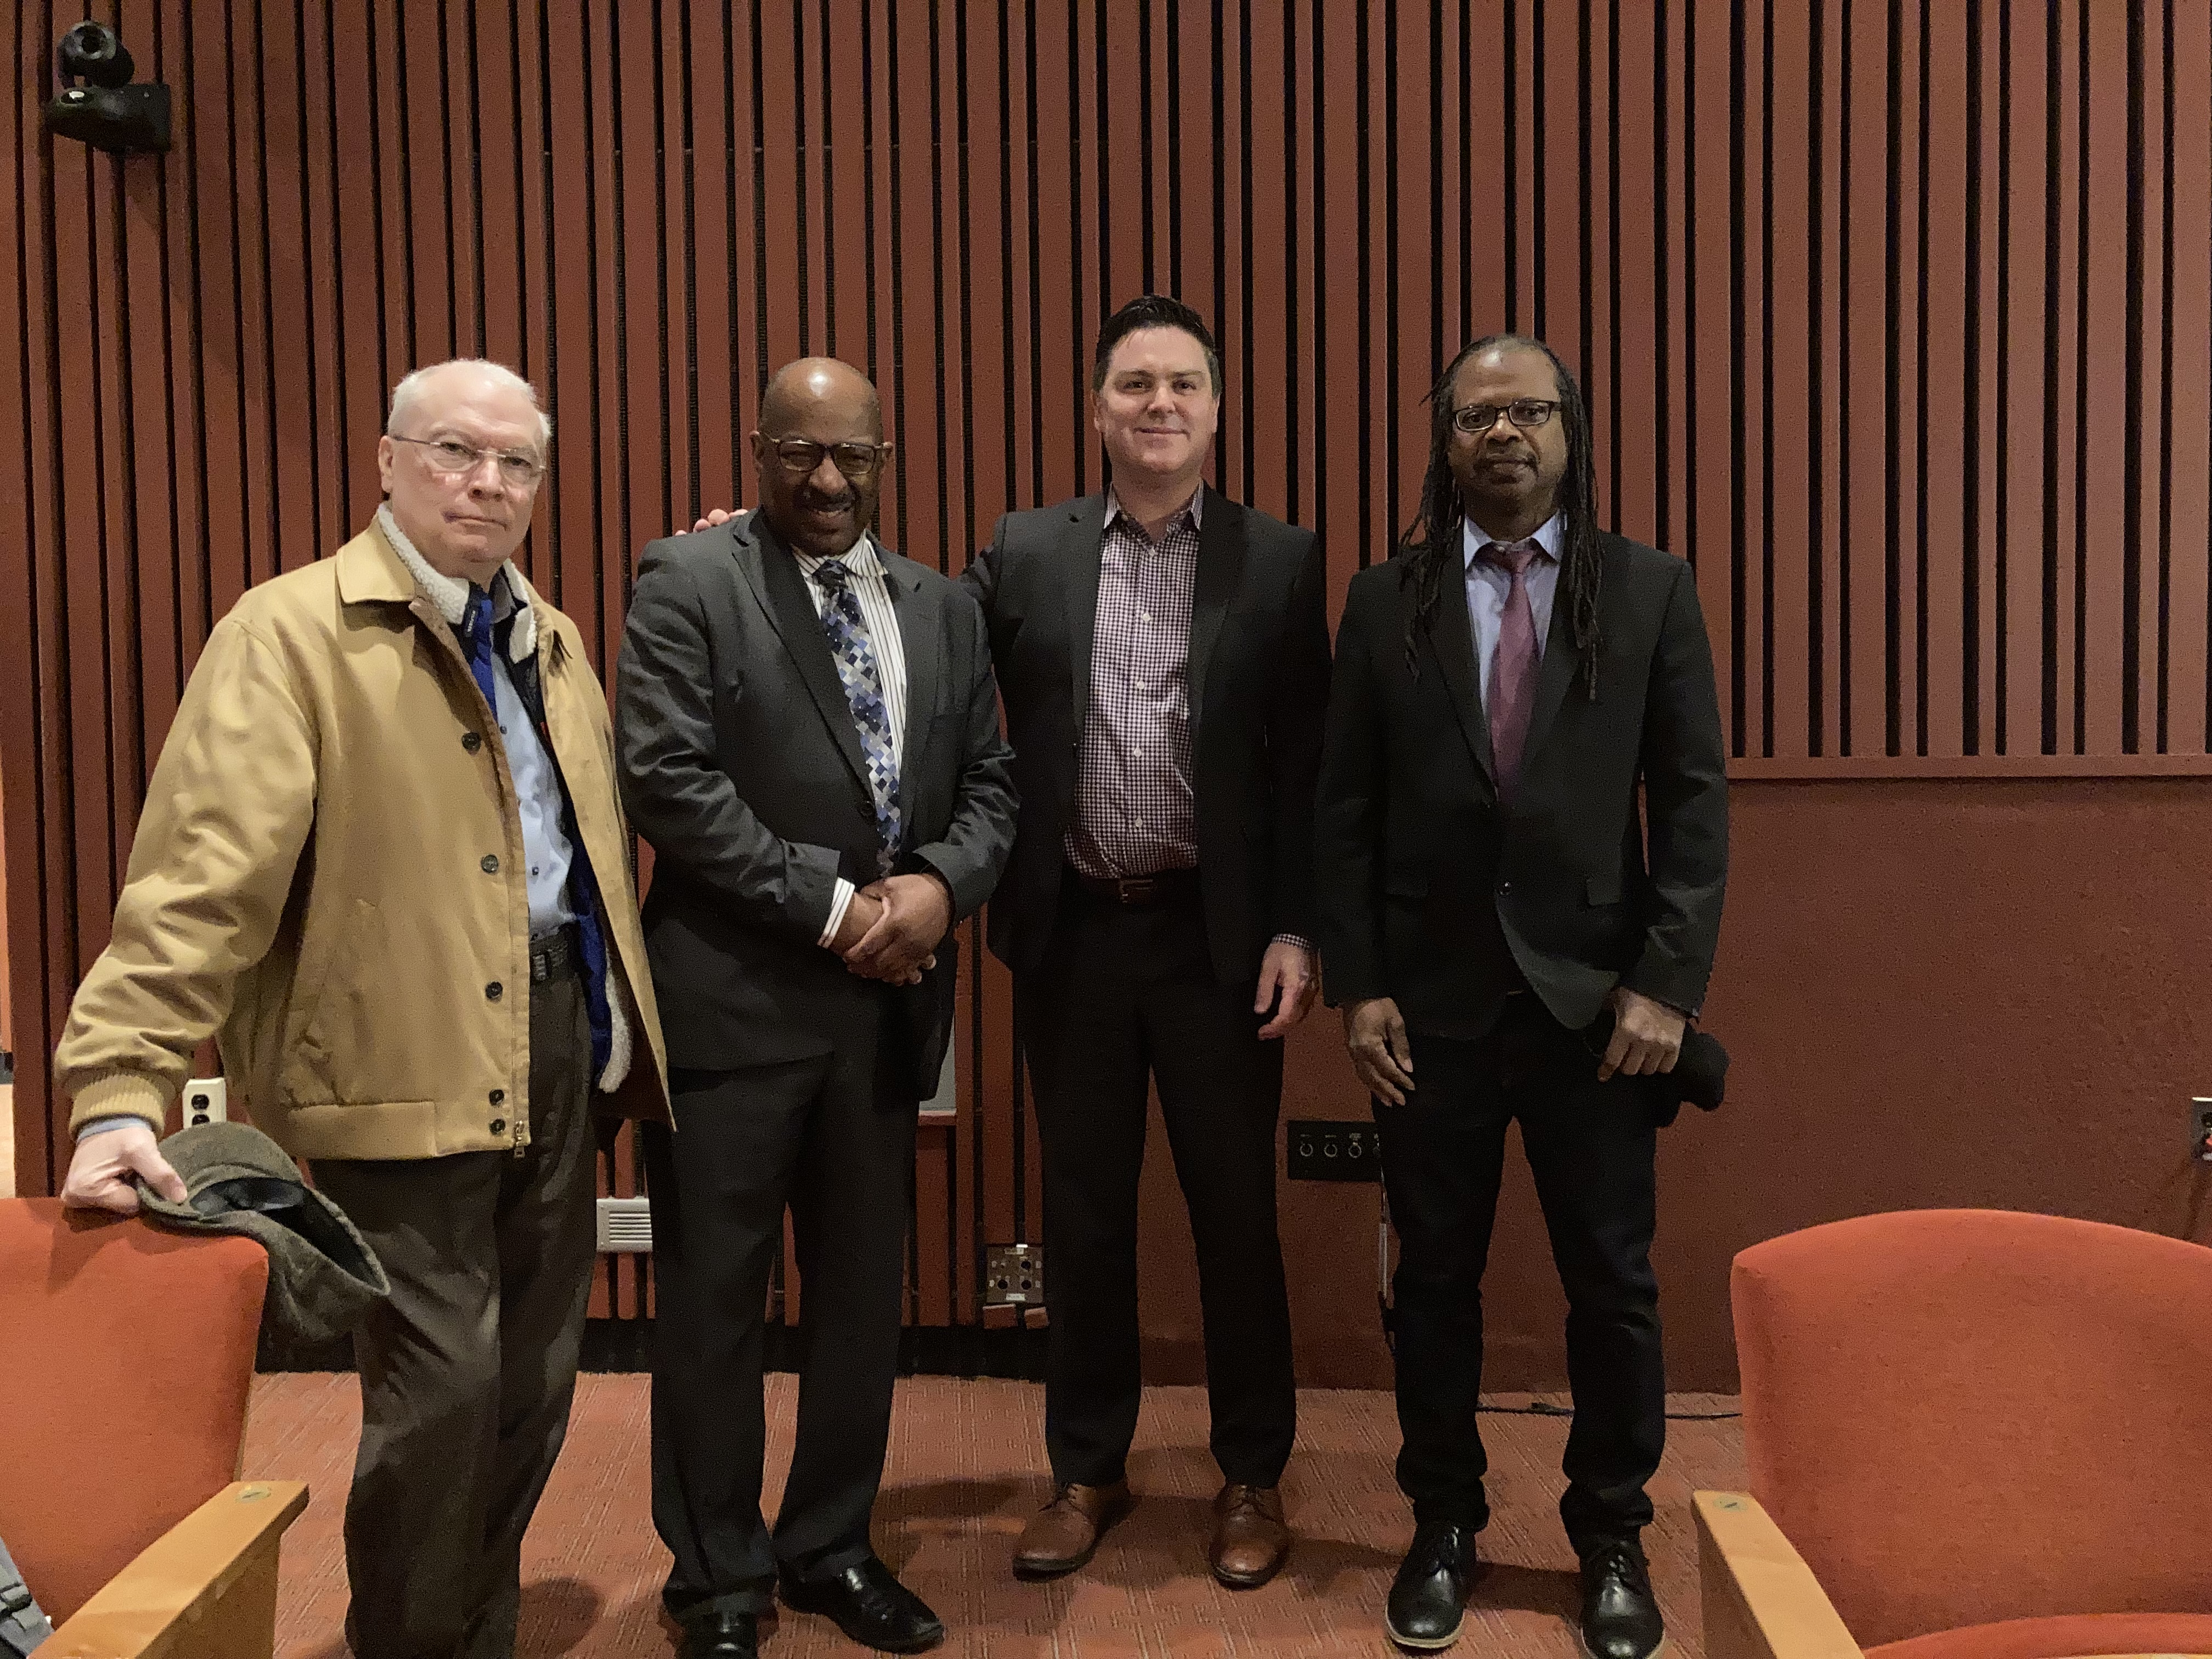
<point>809,738</point>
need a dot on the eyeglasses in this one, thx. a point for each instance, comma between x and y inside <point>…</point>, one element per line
<point>449,460</point>
<point>1526,413</point>
<point>857,461</point>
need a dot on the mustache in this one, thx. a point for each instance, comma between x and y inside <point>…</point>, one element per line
<point>815,499</point>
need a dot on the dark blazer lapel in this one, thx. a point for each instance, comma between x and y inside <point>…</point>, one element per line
<point>1451,642</point>
<point>921,636</point>
<point>1220,568</point>
<point>1562,661</point>
<point>1086,525</point>
<point>768,566</point>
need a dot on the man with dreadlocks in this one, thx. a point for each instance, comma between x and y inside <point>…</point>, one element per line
<point>1502,928</point>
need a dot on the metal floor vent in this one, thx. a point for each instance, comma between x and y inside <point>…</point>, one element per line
<point>625,1225</point>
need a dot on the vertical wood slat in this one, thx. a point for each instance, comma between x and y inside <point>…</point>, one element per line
<point>1820,361</point>
<point>2185,462</point>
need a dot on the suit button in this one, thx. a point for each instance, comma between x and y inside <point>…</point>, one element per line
<point>493,991</point>
<point>472,741</point>
<point>499,1126</point>
<point>498,1094</point>
<point>490,863</point>
<point>1504,888</point>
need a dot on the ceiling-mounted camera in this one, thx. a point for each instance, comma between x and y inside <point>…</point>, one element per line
<point>100,105</point>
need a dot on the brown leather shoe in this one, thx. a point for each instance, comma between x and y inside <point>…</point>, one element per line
<point>1249,1537</point>
<point>1063,1534</point>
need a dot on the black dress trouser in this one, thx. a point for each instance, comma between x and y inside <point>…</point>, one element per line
<point>821,1136</point>
<point>1126,993</point>
<point>1591,1147</point>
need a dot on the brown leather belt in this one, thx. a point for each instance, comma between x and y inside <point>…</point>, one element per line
<point>556,955</point>
<point>1137,892</point>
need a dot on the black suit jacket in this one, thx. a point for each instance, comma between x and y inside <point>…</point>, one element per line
<point>1259,690</point>
<point>1438,896</point>
<point>741,765</point>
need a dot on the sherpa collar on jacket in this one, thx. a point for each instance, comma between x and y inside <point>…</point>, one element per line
<point>451,594</point>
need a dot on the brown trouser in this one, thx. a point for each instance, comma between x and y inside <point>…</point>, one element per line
<point>467,1373</point>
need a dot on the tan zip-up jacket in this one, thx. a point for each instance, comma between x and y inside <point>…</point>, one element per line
<point>329,877</point>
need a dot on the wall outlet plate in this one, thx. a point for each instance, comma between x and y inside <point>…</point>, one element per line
<point>205,1100</point>
<point>2200,1129</point>
<point>1013,1275</point>
<point>1322,1149</point>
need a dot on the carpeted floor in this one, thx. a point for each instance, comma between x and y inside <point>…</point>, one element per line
<point>965,1472</point>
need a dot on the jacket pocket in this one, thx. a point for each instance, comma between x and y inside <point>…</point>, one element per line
<point>329,957</point>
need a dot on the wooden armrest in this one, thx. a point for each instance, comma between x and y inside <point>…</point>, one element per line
<point>1761,1600</point>
<point>206,1587</point>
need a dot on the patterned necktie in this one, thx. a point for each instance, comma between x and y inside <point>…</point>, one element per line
<point>855,656</point>
<point>1512,693</point>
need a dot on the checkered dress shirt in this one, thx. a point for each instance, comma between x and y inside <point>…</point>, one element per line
<point>1135,813</point>
<point>1135,808</point>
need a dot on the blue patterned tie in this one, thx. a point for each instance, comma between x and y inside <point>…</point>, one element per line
<point>855,656</point>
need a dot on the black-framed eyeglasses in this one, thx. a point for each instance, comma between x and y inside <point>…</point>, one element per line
<point>451,459</point>
<point>856,461</point>
<point>1526,413</point>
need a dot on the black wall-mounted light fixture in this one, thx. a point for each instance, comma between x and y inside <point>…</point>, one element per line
<point>98,105</point>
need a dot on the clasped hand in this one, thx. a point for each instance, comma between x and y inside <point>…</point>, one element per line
<point>892,928</point>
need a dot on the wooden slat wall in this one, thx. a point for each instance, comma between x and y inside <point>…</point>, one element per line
<point>1894,315</point>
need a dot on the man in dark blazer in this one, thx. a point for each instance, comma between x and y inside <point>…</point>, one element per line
<point>1162,654</point>
<point>808,739</point>
<point>1512,938</point>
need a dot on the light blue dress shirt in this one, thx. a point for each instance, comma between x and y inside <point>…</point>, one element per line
<point>1487,586</point>
<point>538,792</point>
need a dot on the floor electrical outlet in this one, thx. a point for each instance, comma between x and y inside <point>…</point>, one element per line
<point>1325,1150</point>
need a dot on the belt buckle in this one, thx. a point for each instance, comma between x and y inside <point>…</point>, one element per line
<point>1138,889</point>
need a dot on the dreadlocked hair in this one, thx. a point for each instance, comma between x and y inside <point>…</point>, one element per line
<point>1430,549</point>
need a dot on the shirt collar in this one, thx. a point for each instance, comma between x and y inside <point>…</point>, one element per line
<point>451,594</point>
<point>859,558</point>
<point>1473,539</point>
<point>1195,506</point>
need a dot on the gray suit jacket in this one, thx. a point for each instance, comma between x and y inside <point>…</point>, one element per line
<point>741,766</point>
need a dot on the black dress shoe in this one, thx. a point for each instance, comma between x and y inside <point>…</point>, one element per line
<point>1428,1599</point>
<point>1620,1620</point>
<point>871,1606</point>
<point>720,1636</point>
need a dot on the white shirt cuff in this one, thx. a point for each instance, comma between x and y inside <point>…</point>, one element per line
<point>840,898</point>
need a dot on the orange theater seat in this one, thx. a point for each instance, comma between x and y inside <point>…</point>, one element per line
<point>1971,1434</point>
<point>129,1362</point>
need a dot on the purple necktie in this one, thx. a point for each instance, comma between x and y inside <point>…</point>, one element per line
<point>1512,693</point>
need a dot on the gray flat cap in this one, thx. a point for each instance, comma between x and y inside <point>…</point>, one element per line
<point>323,1276</point>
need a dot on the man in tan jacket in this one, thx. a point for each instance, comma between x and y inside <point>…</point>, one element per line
<point>382,860</point>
